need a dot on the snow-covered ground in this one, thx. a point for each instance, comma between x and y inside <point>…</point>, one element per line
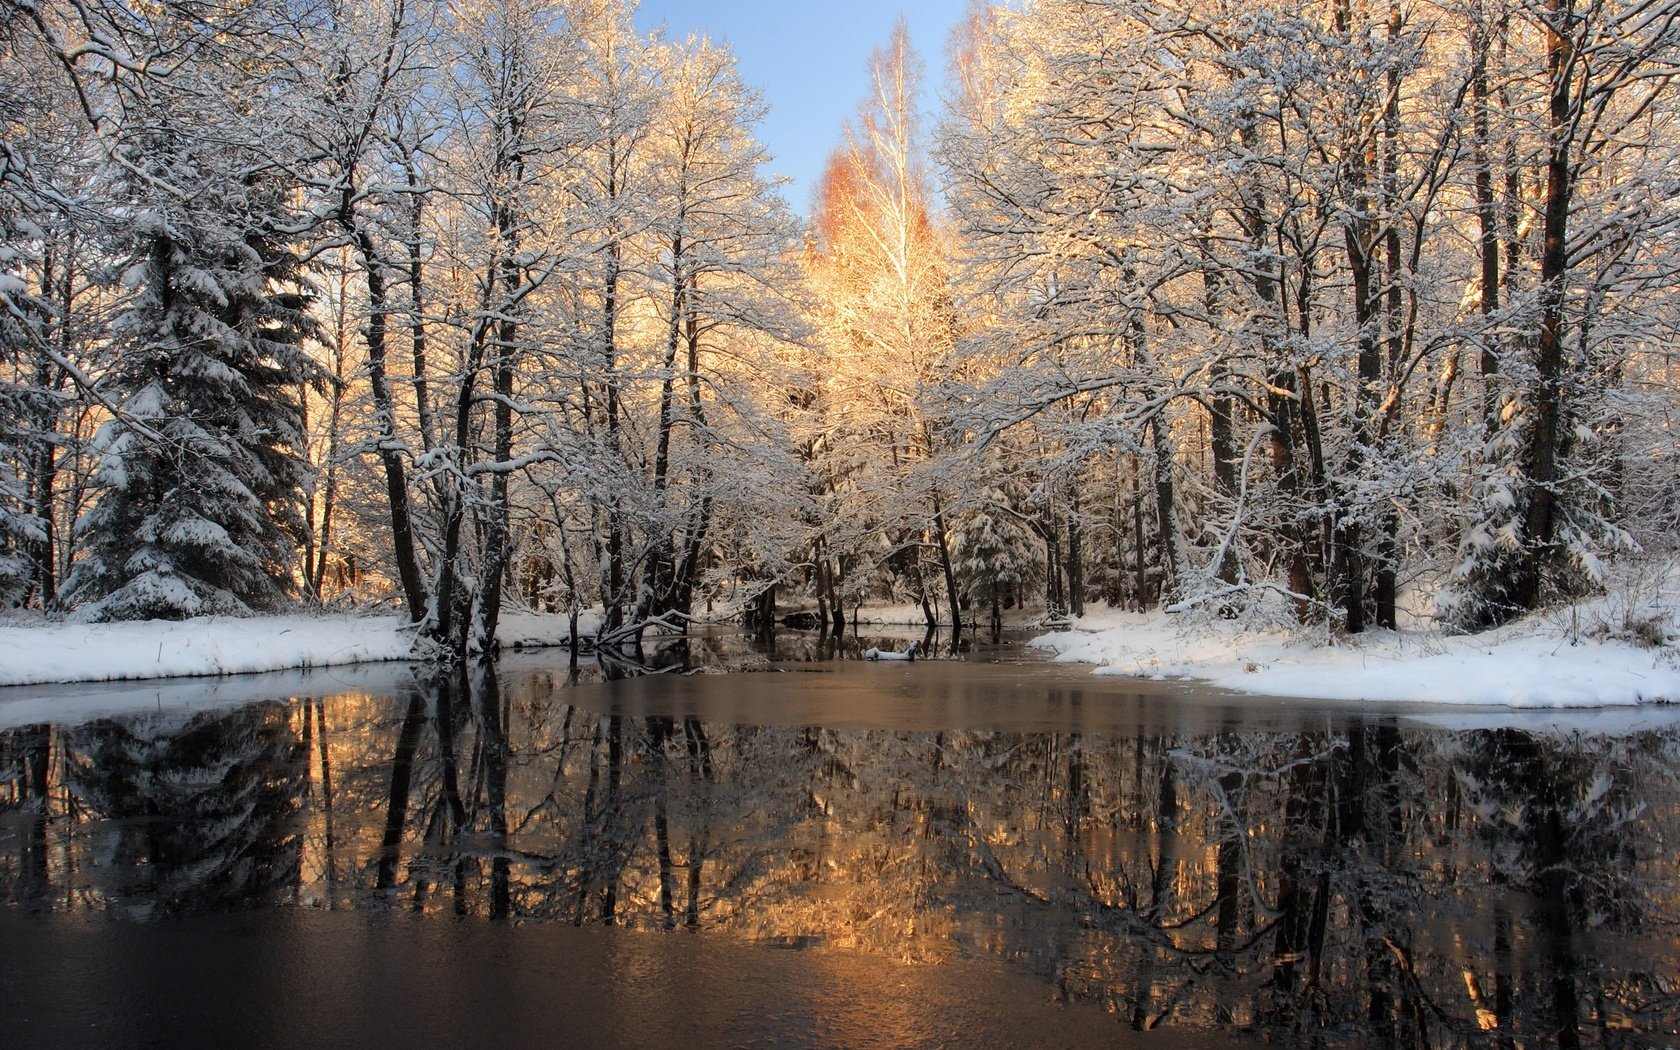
<point>1577,658</point>
<point>1543,662</point>
<point>42,652</point>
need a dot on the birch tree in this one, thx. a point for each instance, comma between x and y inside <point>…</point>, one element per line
<point>884,310</point>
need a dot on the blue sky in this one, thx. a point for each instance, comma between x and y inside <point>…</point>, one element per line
<point>810,59</point>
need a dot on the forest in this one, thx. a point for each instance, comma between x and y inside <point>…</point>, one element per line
<point>1337,315</point>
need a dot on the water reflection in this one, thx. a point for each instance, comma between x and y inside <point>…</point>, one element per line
<point>1339,879</point>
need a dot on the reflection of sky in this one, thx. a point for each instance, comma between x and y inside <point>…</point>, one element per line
<point>810,58</point>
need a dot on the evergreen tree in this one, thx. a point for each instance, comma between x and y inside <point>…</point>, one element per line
<point>203,483</point>
<point>996,553</point>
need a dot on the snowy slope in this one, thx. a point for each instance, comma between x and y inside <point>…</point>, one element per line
<point>73,652</point>
<point>1525,666</point>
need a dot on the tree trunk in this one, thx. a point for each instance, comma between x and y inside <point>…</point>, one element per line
<point>1541,465</point>
<point>1385,582</point>
<point>44,480</point>
<point>454,603</point>
<point>701,523</point>
<point>1221,415</point>
<point>1283,413</point>
<point>1053,600</point>
<point>1141,574</point>
<point>329,488</point>
<point>767,613</point>
<point>1487,216</point>
<point>612,569</point>
<point>1166,509</point>
<point>58,286</point>
<point>417,304</point>
<point>949,572</point>
<point>1282,409</point>
<point>1347,560</point>
<point>1075,560</point>
<point>498,540</point>
<point>385,421</point>
<point>658,575</point>
<point>1359,233</point>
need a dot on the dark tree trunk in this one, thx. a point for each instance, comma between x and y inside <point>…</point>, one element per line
<point>1359,233</point>
<point>1283,401</point>
<point>1075,561</point>
<point>385,419</point>
<point>1221,406</point>
<point>1541,465</point>
<point>1166,504</point>
<point>1487,215</point>
<point>658,575</point>
<point>1053,600</point>
<point>329,488</point>
<point>417,304</point>
<point>1385,585</point>
<point>1139,569</point>
<point>498,539</point>
<point>454,603</point>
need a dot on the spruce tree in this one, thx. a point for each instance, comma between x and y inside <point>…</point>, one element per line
<point>202,473</point>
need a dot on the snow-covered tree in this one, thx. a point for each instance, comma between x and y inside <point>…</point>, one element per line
<point>724,258</point>
<point>1265,239</point>
<point>996,550</point>
<point>1589,148</point>
<point>50,304</point>
<point>201,472</point>
<point>879,271</point>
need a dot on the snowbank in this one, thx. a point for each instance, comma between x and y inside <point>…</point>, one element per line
<point>212,645</point>
<point>525,630</point>
<point>1535,664</point>
<point>72,652</point>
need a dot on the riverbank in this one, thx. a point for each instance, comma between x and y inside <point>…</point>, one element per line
<point>1607,652</point>
<point>41,652</point>
<point>38,651</point>
<point>1597,654</point>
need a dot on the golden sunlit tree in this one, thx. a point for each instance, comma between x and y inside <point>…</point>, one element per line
<point>879,271</point>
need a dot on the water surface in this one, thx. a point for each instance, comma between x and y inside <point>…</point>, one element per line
<point>826,852</point>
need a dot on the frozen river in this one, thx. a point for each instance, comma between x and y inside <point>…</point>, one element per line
<point>825,852</point>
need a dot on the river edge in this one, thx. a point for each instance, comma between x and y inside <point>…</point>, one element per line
<point>1541,662</point>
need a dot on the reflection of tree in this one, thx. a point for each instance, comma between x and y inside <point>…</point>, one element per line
<point>1564,829</point>
<point>492,759</point>
<point>1350,879</point>
<point>196,815</point>
<point>26,757</point>
<point>317,751</point>
<point>402,780</point>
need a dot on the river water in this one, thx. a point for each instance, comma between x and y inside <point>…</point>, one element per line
<point>820,851</point>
